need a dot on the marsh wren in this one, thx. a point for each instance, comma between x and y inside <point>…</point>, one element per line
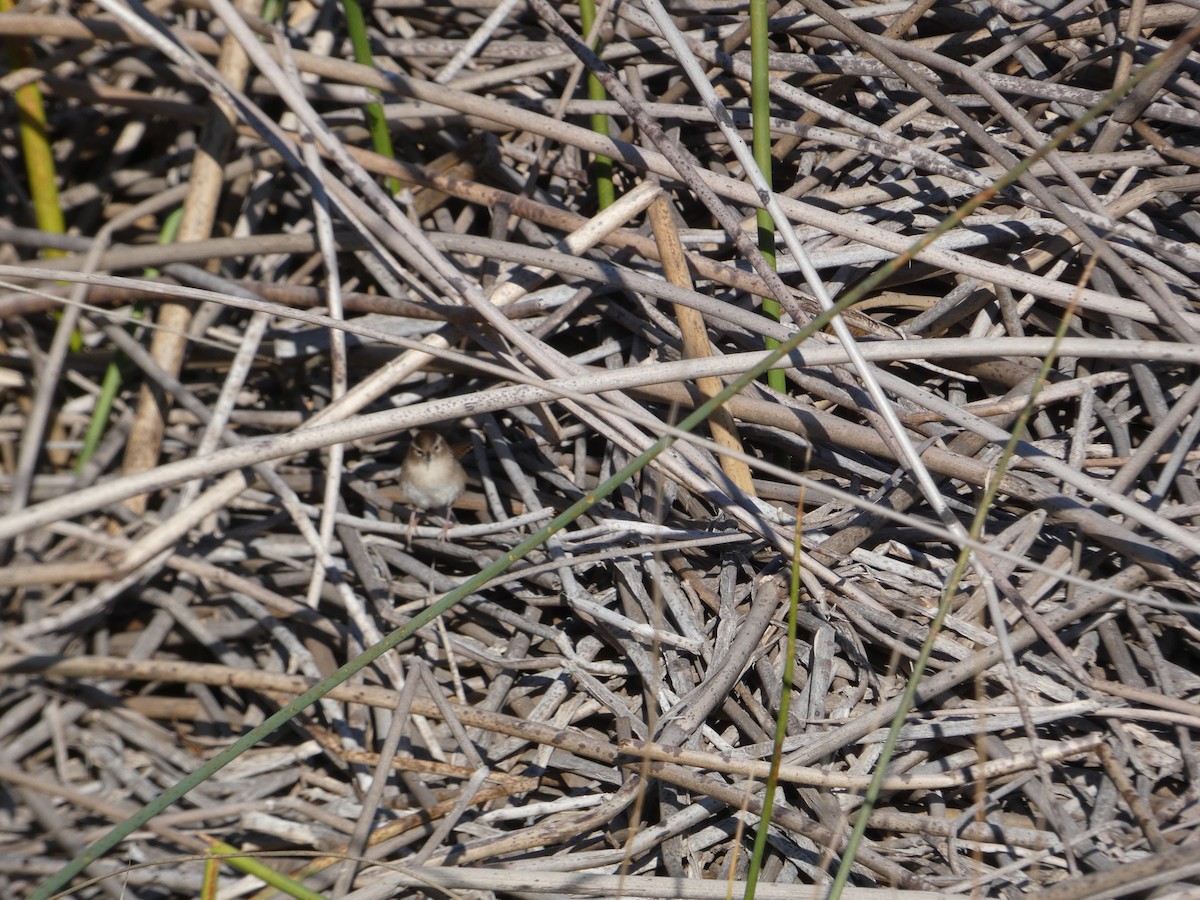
<point>431,476</point>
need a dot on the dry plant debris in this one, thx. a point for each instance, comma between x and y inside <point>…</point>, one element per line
<point>598,721</point>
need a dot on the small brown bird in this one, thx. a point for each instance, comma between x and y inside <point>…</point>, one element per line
<point>430,477</point>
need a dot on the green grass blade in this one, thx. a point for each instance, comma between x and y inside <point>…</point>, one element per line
<point>781,720</point>
<point>381,138</point>
<point>602,166</point>
<point>111,383</point>
<point>760,110</point>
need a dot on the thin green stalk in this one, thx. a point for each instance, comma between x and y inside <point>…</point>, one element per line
<point>35,143</point>
<point>781,720</point>
<point>251,866</point>
<point>238,859</point>
<point>948,594</point>
<point>381,138</point>
<point>602,166</point>
<point>111,384</point>
<point>211,879</point>
<point>760,111</point>
<point>37,151</point>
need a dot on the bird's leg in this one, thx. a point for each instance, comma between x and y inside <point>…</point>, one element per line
<point>446,527</point>
<point>412,526</point>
